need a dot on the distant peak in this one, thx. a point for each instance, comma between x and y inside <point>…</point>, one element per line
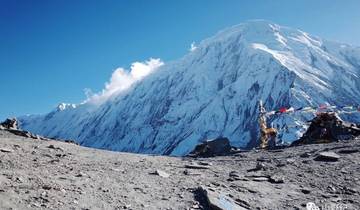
<point>64,106</point>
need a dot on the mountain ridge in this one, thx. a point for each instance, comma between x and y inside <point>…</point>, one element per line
<point>214,90</point>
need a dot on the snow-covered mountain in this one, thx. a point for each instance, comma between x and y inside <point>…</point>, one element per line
<point>214,91</point>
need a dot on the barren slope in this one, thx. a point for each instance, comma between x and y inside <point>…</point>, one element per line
<point>38,174</point>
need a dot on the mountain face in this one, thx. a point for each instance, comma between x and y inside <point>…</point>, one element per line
<point>214,91</point>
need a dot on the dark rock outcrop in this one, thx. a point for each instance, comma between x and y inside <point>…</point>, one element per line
<point>211,148</point>
<point>10,123</point>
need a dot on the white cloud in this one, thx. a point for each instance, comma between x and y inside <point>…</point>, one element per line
<point>193,47</point>
<point>121,79</point>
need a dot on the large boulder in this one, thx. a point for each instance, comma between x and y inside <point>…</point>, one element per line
<point>328,127</point>
<point>211,148</point>
<point>10,123</point>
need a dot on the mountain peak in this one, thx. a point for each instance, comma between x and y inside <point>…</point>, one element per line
<point>214,91</point>
<point>265,32</point>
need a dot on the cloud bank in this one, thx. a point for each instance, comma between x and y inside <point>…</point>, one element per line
<point>121,79</point>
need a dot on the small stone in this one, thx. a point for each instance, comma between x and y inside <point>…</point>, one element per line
<point>19,179</point>
<point>290,161</point>
<point>262,159</point>
<point>331,189</point>
<point>242,203</point>
<point>80,174</point>
<point>161,173</point>
<point>260,179</point>
<point>47,187</point>
<point>230,179</point>
<point>204,163</point>
<point>328,157</point>
<point>35,205</point>
<point>233,174</point>
<point>195,206</point>
<point>281,164</point>
<point>305,155</point>
<point>6,150</point>
<point>252,191</point>
<point>259,166</point>
<point>127,206</point>
<point>196,167</point>
<point>305,191</point>
<point>51,146</point>
<point>276,179</point>
<point>349,191</point>
<point>218,200</point>
<point>17,146</point>
<point>348,151</point>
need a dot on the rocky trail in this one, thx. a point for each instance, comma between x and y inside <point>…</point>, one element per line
<point>46,174</point>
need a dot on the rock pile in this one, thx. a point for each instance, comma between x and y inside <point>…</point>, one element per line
<point>328,127</point>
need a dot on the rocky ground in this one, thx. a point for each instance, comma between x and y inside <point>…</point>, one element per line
<point>45,174</point>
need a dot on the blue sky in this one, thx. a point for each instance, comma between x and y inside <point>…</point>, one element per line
<point>50,50</point>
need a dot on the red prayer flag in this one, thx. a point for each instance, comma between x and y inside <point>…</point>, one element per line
<point>283,110</point>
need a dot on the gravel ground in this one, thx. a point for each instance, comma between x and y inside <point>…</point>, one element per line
<point>40,174</point>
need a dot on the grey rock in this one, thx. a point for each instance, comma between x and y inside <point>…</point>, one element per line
<point>260,179</point>
<point>306,191</point>
<point>327,156</point>
<point>234,174</point>
<point>80,174</point>
<point>204,163</point>
<point>259,166</point>
<point>305,155</point>
<point>193,166</point>
<point>220,200</point>
<point>161,173</point>
<point>47,187</point>
<point>348,151</point>
<point>51,146</point>
<point>6,150</point>
<point>276,179</point>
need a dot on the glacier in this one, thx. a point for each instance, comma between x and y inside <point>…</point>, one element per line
<point>214,91</point>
